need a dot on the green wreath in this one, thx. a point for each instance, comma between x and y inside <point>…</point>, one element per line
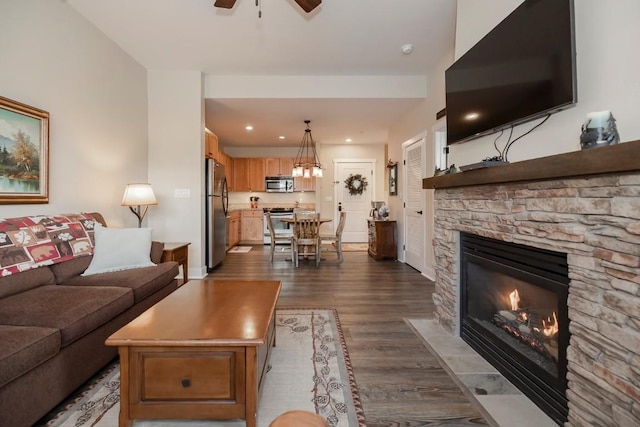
<point>356,184</point>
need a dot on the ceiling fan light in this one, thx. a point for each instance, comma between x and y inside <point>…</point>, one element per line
<point>308,5</point>
<point>226,4</point>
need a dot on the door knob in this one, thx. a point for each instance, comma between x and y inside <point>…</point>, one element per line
<point>419,212</point>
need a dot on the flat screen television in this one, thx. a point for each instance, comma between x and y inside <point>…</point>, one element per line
<point>525,68</point>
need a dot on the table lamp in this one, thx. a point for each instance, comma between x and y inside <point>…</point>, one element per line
<point>136,196</point>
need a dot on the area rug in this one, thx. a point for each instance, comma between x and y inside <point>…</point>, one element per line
<point>239,249</point>
<point>309,369</point>
<point>355,247</point>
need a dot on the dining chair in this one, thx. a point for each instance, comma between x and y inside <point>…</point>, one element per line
<point>336,239</point>
<point>275,239</point>
<point>306,235</point>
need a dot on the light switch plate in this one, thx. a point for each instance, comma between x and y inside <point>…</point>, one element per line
<point>181,193</point>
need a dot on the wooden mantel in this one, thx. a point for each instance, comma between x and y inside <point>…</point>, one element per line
<point>618,158</point>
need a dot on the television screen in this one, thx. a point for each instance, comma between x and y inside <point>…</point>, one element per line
<point>522,70</point>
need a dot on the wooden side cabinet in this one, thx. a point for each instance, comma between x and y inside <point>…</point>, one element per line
<point>382,239</point>
<point>178,252</point>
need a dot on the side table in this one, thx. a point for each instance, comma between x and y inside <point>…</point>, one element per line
<point>178,252</point>
<point>382,239</point>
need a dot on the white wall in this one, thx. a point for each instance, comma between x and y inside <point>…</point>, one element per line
<point>176,161</point>
<point>607,75</point>
<point>96,95</point>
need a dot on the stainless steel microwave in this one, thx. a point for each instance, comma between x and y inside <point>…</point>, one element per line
<point>279,184</point>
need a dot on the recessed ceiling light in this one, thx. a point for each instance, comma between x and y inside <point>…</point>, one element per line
<point>348,140</point>
<point>406,48</point>
<point>249,127</point>
<point>281,137</point>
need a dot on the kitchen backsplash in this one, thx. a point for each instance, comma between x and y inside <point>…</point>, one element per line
<point>240,200</point>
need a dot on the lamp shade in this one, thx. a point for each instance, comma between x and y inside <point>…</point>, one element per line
<point>138,194</point>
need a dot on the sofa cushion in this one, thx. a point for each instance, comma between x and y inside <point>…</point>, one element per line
<point>72,268</point>
<point>28,279</point>
<point>156,252</point>
<point>74,310</point>
<point>76,266</point>
<point>25,347</point>
<point>120,249</point>
<point>143,281</point>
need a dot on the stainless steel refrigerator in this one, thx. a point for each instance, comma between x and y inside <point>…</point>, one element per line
<point>216,212</point>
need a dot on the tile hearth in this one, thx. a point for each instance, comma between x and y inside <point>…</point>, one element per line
<point>499,401</point>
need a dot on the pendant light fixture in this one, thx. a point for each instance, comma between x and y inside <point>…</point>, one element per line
<point>307,163</point>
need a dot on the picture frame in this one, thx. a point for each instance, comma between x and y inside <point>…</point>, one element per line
<point>393,180</point>
<point>24,153</point>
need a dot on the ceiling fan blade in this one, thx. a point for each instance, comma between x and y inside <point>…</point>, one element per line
<point>308,5</point>
<point>226,4</point>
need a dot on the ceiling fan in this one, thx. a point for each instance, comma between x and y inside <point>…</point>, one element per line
<point>306,5</point>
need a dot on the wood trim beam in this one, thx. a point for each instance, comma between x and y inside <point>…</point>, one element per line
<point>617,158</point>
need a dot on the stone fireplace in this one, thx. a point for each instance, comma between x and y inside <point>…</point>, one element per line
<point>586,206</point>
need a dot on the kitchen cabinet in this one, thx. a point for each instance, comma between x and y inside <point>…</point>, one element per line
<point>252,228</point>
<point>210,145</point>
<point>248,174</point>
<point>382,239</point>
<point>278,166</point>
<point>233,229</point>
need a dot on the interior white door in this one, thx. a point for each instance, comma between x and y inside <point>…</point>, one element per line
<point>357,206</point>
<point>414,204</point>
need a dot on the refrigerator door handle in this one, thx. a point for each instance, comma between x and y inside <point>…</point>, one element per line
<point>225,197</point>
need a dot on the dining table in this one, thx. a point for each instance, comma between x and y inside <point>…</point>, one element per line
<point>291,221</point>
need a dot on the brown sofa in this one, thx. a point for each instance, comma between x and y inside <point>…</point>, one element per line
<point>53,324</point>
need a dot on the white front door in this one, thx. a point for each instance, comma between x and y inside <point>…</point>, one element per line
<point>414,202</point>
<point>357,206</point>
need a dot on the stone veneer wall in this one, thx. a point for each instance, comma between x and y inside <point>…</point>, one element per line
<point>596,221</point>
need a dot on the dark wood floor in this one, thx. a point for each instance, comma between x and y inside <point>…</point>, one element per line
<point>400,382</point>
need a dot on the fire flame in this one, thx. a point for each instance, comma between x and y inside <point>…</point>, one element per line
<point>514,297</point>
<point>551,328</point>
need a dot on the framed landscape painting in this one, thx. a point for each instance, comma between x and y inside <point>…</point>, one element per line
<point>24,153</point>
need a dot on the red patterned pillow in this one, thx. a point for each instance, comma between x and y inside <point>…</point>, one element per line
<point>33,241</point>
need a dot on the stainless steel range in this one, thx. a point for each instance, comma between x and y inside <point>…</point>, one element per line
<point>280,228</point>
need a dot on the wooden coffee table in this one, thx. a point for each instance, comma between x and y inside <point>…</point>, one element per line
<point>200,353</point>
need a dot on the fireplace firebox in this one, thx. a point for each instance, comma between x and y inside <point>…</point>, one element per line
<point>514,313</point>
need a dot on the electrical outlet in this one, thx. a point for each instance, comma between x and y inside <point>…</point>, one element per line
<point>182,193</point>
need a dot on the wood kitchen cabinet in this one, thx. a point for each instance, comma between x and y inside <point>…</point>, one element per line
<point>248,174</point>
<point>382,239</point>
<point>278,166</point>
<point>252,228</point>
<point>233,229</point>
<point>210,145</point>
